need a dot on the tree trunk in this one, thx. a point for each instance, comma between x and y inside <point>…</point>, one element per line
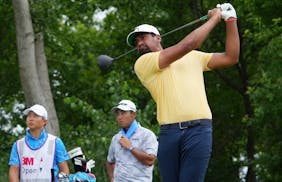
<point>33,73</point>
<point>42,70</point>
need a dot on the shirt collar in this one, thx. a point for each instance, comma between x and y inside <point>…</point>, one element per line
<point>134,125</point>
<point>35,143</point>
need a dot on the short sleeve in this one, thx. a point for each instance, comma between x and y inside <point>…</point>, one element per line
<point>14,158</point>
<point>205,58</point>
<point>151,143</point>
<point>111,154</point>
<point>61,154</point>
<point>147,66</point>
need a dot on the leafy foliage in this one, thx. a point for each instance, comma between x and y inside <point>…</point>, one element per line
<point>244,99</point>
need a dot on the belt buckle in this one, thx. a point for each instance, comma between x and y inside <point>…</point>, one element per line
<point>182,127</point>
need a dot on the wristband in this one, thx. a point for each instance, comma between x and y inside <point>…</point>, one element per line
<point>130,148</point>
<point>231,19</point>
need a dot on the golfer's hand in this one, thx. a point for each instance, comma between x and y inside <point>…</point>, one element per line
<point>227,11</point>
<point>215,14</point>
<point>125,142</point>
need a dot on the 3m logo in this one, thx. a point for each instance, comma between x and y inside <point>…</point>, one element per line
<point>28,161</point>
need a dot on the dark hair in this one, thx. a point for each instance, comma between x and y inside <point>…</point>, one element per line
<point>142,33</point>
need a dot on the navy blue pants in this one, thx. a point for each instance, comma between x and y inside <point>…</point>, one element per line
<point>184,154</point>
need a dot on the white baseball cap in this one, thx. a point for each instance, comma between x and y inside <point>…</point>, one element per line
<point>125,105</point>
<point>141,28</point>
<point>37,109</point>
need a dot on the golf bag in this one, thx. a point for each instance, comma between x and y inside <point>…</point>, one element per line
<point>82,167</point>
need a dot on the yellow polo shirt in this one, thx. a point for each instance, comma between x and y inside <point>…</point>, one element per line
<point>178,89</point>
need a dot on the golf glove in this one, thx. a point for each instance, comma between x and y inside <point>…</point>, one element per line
<point>227,11</point>
<point>90,164</point>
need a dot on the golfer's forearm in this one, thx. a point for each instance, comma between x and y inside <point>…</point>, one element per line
<point>63,167</point>
<point>13,178</point>
<point>14,174</point>
<point>232,47</point>
<point>144,158</point>
<point>190,42</point>
<point>110,170</point>
<point>197,37</point>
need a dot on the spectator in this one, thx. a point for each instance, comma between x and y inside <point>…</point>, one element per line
<point>133,149</point>
<point>38,156</point>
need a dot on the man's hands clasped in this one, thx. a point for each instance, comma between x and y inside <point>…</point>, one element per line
<point>227,11</point>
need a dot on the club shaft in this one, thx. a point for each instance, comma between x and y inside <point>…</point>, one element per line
<point>124,54</point>
<point>186,25</point>
<point>170,32</point>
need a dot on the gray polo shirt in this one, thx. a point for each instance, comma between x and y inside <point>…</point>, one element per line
<point>127,167</point>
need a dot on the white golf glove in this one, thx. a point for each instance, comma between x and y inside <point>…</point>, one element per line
<point>227,11</point>
<point>90,164</point>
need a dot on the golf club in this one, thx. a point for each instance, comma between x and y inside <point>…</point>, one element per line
<point>104,61</point>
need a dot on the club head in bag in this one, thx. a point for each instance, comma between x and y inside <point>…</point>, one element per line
<point>78,159</point>
<point>79,164</point>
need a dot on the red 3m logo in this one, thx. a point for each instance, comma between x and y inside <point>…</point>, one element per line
<point>28,161</point>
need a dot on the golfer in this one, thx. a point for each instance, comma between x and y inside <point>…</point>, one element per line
<point>133,149</point>
<point>174,78</point>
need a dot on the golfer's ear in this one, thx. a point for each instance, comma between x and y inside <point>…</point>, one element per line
<point>159,37</point>
<point>45,122</point>
<point>133,114</point>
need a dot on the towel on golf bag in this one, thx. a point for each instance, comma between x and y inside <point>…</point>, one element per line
<point>82,177</point>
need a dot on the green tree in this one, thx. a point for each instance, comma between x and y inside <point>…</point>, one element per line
<point>244,99</point>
